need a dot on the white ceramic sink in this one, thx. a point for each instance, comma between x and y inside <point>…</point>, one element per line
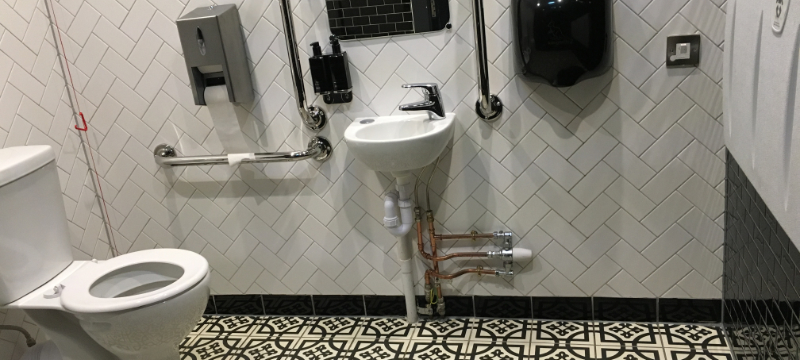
<point>399,143</point>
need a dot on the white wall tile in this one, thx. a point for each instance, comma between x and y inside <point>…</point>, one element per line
<point>133,87</point>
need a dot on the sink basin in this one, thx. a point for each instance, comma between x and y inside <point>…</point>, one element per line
<point>399,143</point>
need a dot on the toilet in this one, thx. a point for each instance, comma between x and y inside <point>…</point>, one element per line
<point>135,306</point>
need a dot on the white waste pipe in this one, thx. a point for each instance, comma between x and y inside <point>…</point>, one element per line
<point>400,198</point>
<point>400,227</point>
<point>406,268</point>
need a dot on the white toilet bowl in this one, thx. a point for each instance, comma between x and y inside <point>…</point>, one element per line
<point>136,306</point>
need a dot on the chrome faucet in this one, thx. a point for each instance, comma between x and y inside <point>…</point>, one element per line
<point>432,103</point>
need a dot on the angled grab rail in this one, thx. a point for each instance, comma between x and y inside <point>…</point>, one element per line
<point>319,148</point>
<point>313,117</point>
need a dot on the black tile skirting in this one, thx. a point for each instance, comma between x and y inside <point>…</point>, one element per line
<point>515,307</point>
<point>761,288</point>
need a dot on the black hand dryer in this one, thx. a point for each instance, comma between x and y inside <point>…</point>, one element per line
<point>563,42</point>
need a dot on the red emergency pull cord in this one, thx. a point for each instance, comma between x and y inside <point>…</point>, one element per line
<point>85,127</point>
<point>111,242</point>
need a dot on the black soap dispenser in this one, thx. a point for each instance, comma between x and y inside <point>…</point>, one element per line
<point>319,76</point>
<point>330,73</point>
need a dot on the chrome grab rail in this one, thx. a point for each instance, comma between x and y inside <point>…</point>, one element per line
<point>319,148</point>
<point>488,107</point>
<point>313,117</point>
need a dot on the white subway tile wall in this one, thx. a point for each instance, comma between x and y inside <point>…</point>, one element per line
<point>613,183</point>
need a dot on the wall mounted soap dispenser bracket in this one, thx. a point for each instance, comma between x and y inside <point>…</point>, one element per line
<point>488,107</point>
<point>330,73</point>
<point>313,117</point>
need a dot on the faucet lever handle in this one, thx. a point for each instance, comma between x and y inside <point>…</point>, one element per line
<point>428,88</point>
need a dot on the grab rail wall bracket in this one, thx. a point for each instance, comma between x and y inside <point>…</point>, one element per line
<point>488,107</point>
<point>319,148</point>
<point>313,117</point>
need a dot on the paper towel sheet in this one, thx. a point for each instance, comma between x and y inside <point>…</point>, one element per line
<point>236,159</point>
<point>228,119</point>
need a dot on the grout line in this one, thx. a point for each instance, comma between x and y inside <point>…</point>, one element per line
<point>658,307</point>
<point>313,306</point>
<point>474,307</point>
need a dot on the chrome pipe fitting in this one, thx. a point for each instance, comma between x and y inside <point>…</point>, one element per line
<point>504,273</point>
<point>503,235</point>
<point>505,254</point>
<point>440,307</point>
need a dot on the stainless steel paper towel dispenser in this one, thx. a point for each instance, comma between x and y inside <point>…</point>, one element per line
<point>213,47</point>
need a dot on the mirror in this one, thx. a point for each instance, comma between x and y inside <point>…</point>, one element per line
<point>362,19</point>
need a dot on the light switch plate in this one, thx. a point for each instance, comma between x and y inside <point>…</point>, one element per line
<point>676,59</point>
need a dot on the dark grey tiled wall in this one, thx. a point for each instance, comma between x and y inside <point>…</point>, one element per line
<point>762,276</point>
<point>357,19</point>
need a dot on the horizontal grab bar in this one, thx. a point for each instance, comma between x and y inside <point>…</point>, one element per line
<point>319,148</point>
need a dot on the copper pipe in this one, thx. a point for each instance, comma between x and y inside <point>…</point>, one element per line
<point>434,258</point>
<point>420,245</point>
<point>473,236</point>
<point>432,230</point>
<point>432,233</point>
<point>459,255</point>
<point>460,273</point>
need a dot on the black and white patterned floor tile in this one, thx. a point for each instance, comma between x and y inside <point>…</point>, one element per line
<point>623,352</point>
<point>254,348</point>
<point>633,335</point>
<point>562,351</point>
<point>698,353</point>
<point>563,332</point>
<point>450,329</point>
<point>436,350</point>
<point>231,325</point>
<point>202,325</point>
<point>496,351</point>
<point>333,326</point>
<point>395,328</point>
<point>280,326</point>
<point>377,349</point>
<point>692,335</point>
<point>211,347</point>
<point>318,349</point>
<point>350,338</point>
<point>501,330</point>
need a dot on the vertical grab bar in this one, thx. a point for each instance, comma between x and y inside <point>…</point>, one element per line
<point>488,107</point>
<point>313,117</point>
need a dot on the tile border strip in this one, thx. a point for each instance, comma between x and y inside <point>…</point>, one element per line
<point>519,307</point>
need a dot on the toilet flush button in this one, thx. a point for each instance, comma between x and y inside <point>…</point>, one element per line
<point>54,292</point>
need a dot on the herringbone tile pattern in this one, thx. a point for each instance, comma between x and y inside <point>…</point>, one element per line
<point>614,183</point>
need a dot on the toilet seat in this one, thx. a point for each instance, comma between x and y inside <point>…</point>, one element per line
<point>126,271</point>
